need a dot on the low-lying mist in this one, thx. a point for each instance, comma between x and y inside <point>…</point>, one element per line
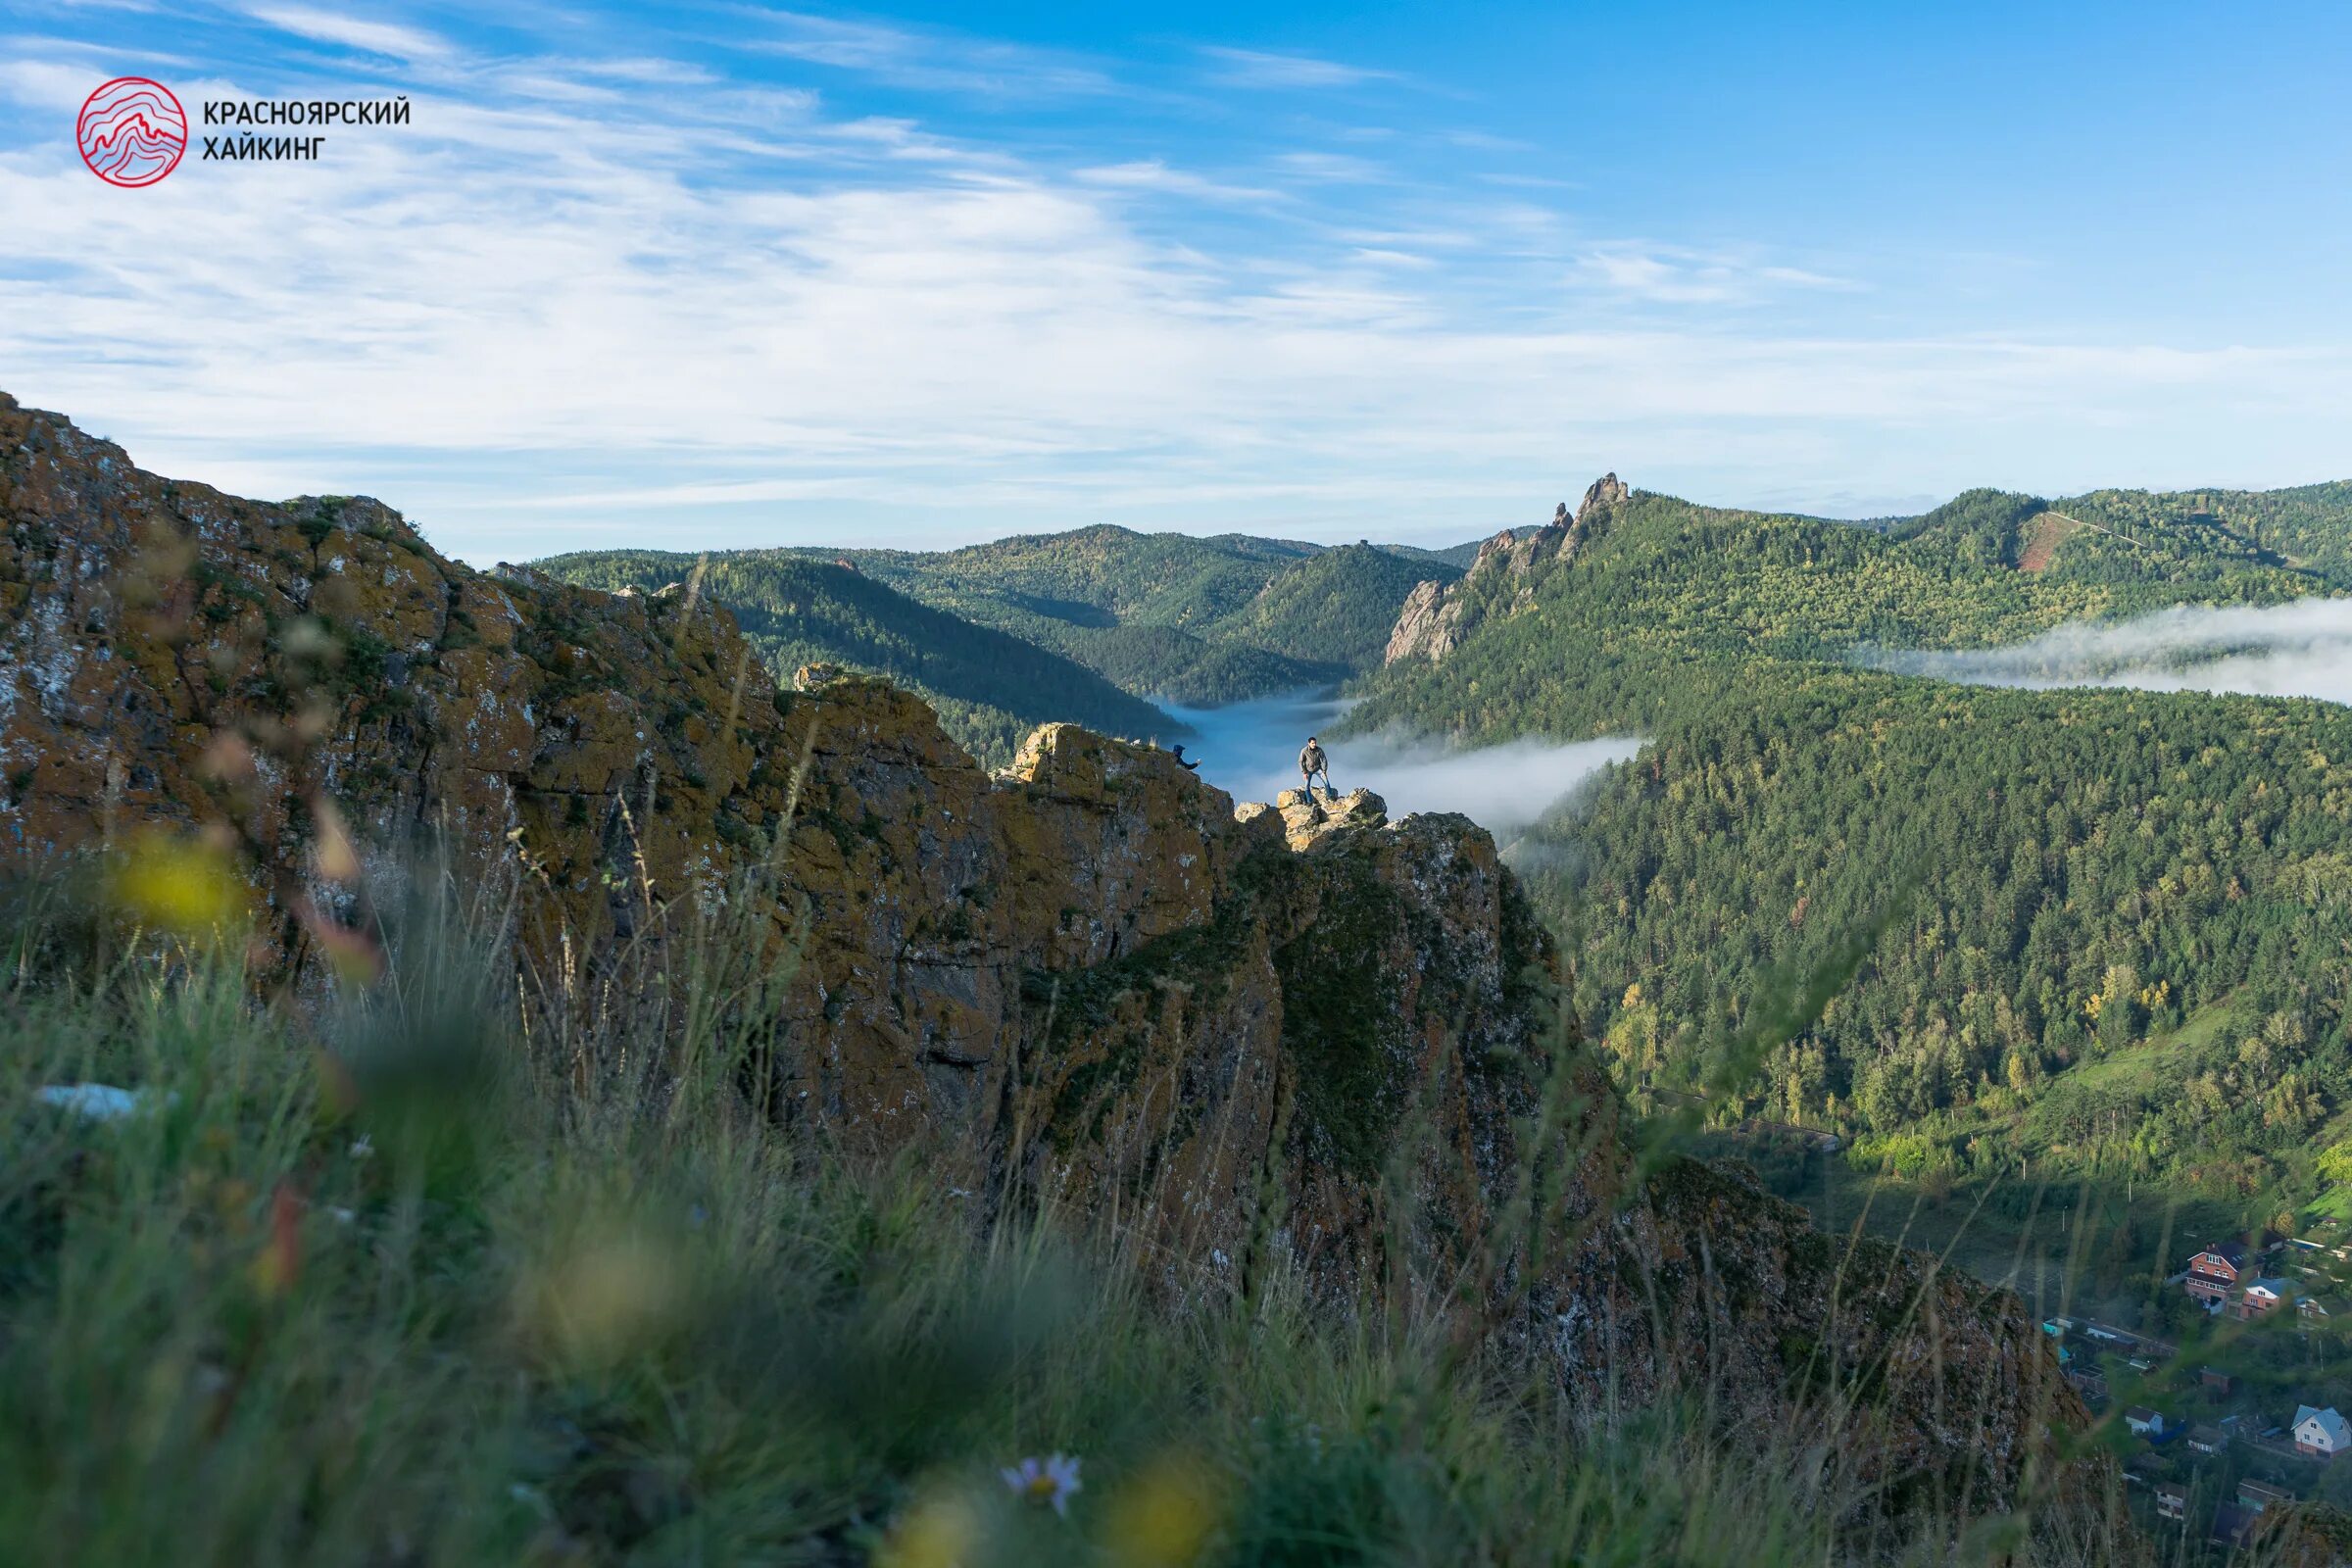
<point>1251,749</point>
<point>2302,648</point>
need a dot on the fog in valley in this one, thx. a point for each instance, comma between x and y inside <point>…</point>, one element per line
<point>2302,648</point>
<point>1251,749</point>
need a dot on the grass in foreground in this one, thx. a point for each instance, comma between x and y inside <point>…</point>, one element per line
<point>445,1277</point>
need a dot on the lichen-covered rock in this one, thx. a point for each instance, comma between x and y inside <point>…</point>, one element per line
<point>1309,814</point>
<point>518,722</point>
<point>1299,1031</point>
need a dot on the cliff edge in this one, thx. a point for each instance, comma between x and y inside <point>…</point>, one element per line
<point>1303,1032</point>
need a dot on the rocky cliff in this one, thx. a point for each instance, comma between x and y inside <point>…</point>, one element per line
<point>1300,1032</point>
<point>1436,616</point>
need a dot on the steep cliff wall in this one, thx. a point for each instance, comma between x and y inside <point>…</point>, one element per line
<point>1437,615</point>
<point>1303,1031</point>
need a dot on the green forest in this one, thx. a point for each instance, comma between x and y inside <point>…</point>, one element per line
<point>1197,621</point>
<point>1092,626</point>
<point>991,688</point>
<point>2305,525</point>
<point>2089,933</point>
<point>2081,931</point>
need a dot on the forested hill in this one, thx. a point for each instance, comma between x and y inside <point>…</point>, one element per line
<point>989,688</point>
<point>2101,929</point>
<point>1457,557</point>
<point>1332,610</point>
<point>1195,620</point>
<point>2308,526</point>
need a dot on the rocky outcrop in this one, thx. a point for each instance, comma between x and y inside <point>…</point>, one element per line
<point>174,656</point>
<point>1299,1033</point>
<point>1437,615</point>
<point>1302,1030</point>
<point>1307,814</point>
<point>1429,623</point>
<point>1607,491</point>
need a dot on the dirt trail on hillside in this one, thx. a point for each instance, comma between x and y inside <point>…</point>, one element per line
<point>2050,530</point>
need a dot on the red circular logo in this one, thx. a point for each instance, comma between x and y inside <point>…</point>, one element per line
<point>132,131</point>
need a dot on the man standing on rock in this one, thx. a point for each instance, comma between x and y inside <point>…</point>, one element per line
<point>1312,762</point>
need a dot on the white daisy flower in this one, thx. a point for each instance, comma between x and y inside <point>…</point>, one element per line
<point>1051,1479</point>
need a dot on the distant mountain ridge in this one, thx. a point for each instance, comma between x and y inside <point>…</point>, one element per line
<point>1089,625</point>
<point>989,687</point>
<point>1099,623</point>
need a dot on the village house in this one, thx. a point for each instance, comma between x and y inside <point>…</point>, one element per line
<point>2320,1432</point>
<point>2146,1423</point>
<point>2319,1309</point>
<point>2172,1501</point>
<point>2256,1495</point>
<point>2207,1439</point>
<point>2263,1295</point>
<point>2232,1526</point>
<point>2216,1271</point>
<point>2214,1378</point>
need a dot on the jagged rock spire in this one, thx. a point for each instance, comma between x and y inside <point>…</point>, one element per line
<point>1605,491</point>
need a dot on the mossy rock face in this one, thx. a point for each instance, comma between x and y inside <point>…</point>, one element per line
<point>1341,1017</point>
<point>1300,1027</point>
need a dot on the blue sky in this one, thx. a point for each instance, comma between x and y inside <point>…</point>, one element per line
<point>722,274</point>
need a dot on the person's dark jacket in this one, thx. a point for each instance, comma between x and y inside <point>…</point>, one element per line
<point>1312,761</point>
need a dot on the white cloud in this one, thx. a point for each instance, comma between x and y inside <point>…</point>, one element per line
<point>1486,141</point>
<point>2302,648</point>
<point>1445,239</point>
<point>640,69</point>
<point>1252,67</point>
<point>1336,167</point>
<point>1154,174</point>
<point>928,60</point>
<point>25,46</point>
<point>1686,277</point>
<point>729,298</point>
<point>45,84</point>
<point>353,32</point>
